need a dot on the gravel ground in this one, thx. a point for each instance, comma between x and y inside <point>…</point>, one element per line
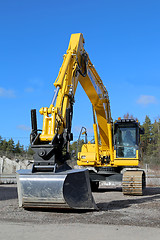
<point>114,209</point>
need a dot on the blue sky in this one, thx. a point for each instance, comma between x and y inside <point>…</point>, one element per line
<point>122,38</point>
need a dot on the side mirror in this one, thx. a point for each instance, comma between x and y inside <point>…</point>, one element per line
<point>141,130</point>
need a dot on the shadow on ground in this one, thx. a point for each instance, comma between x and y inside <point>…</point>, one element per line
<point>8,192</point>
<point>109,189</point>
<point>150,195</point>
<point>148,191</point>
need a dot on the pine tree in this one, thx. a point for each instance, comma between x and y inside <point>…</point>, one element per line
<point>156,141</point>
<point>10,146</point>
<point>30,151</point>
<point>22,149</point>
<point>4,145</point>
<point>0,142</point>
<point>17,148</point>
<point>146,138</point>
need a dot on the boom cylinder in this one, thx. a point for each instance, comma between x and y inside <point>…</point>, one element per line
<point>55,95</point>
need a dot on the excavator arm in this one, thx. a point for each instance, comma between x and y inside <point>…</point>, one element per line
<point>76,67</point>
<point>57,118</point>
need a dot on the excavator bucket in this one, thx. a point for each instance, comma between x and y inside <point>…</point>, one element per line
<point>65,189</point>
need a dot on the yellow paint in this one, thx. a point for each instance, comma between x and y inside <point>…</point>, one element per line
<point>96,143</point>
<point>54,117</point>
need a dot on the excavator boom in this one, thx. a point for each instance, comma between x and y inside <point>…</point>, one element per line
<point>51,182</point>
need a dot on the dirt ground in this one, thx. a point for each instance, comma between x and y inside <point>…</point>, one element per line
<point>114,209</point>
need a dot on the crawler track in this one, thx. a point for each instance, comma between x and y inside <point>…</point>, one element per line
<point>133,182</point>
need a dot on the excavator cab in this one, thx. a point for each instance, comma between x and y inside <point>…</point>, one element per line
<point>127,154</point>
<point>126,139</point>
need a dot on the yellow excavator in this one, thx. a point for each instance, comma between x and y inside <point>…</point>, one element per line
<point>115,153</point>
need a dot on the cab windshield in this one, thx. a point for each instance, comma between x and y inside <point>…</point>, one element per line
<point>126,141</point>
<point>126,136</point>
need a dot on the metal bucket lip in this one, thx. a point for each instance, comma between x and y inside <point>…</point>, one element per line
<point>29,172</point>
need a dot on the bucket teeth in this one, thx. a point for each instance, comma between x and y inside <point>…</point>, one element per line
<point>66,189</point>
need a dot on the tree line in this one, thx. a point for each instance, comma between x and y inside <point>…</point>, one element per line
<point>10,148</point>
<point>150,143</point>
